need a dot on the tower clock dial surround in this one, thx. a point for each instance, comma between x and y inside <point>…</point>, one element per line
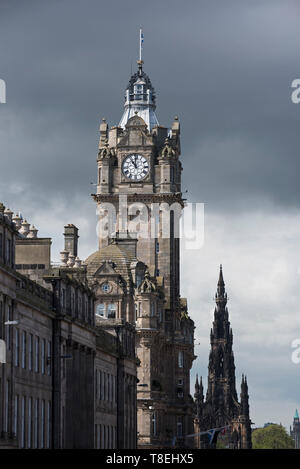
<point>135,167</point>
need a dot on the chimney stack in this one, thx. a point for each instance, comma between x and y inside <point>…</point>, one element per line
<point>71,239</point>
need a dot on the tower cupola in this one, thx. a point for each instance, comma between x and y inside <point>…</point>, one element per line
<point>140,98</point>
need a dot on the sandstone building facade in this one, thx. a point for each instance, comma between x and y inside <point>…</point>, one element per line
<point>63,383</point>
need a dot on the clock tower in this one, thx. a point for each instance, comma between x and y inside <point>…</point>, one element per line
<point>137,266</point>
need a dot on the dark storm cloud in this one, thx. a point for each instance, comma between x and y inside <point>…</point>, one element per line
<point>225,69</point>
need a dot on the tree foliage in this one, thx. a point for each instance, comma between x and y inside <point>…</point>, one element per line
<point>272,437</point>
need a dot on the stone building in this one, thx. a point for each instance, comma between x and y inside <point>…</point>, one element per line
<point>295,430</point>
<point>63,384</point>
<point>221,408</point>
<point>135,273</point>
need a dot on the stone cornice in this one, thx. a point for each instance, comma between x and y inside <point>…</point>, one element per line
<point>154,197</point>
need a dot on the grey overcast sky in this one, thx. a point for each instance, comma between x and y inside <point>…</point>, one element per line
<point>225,68</point>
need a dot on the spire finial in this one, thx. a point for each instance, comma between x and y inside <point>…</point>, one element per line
<point>221,296</point>
<point>221,280</point>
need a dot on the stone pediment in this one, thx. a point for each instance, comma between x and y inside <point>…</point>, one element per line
<point>136,121</point>
<point>107,268</point>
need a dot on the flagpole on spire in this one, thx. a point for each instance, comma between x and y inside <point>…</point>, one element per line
<point>140,57</point>
<point>140,61</point>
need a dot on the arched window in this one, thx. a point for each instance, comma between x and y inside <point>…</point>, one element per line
<point>180,359</point>
<point>111,310</point>
<point>179,426</point>
<point>100,310</point>
<point>135,311</point>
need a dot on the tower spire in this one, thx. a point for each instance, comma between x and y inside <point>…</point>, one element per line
<point>221,294</point>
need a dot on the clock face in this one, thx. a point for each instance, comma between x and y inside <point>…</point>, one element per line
<point>135,167</point>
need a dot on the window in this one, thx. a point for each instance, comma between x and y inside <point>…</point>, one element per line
<point>179,427</point>
<point>23,362</point>
<point>37,354</point>
<point>100,310</point>
<point>23,422</point>
<point>156,247</point>
<point>113,389</point>
<point>1,245</point>
<point>102,385</point>
<point>152,309</point>
<point>8,328</point>
<point>139,277</point>
<point>104,437</point>
<point>105,287</point>
<point>79,305</point>
<point>49,358</point>
<point>36,424</point>
<point>1,320</point>
<point>111,311</point>
<point>180,359</point>
<point>30,351</point>
<point>172,174</point>
<point>49,425</point>
<point>86,308</point>
<point>6,423</point>
<point>64,298</point>
<point>17,346</point>
<point>43,424</point>
<point>29,404</point>
<point>15,430</point>
<point>43,355</point>
<point>97,384</point>
<point>135,311</point>
<point>105,386</point>
<point>157,273</point>
<point>8,251</point>
<point>73,303</point>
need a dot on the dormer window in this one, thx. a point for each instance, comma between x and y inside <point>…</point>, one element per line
<point>106,310</point>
